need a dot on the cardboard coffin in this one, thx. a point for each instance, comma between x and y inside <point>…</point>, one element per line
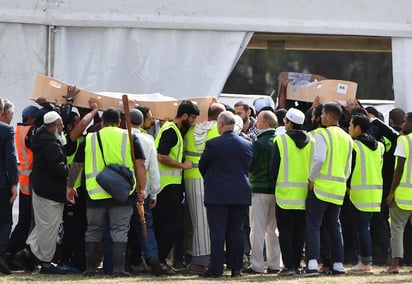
<point>162,107</point>
<point>327,89</point>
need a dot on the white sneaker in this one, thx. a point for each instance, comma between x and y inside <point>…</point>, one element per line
<point>361,268</point>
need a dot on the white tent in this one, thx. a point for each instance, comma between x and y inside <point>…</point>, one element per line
<point>178,48</point>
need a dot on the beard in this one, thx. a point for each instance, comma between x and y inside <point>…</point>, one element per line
<point>185,126</point>
<point>61,137</point>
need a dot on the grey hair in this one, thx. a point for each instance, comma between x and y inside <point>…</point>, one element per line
<point>227,117</point>
<point>7,105</point>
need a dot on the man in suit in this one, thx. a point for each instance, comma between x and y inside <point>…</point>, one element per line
<point>8,184</point>
<point>224,166</point>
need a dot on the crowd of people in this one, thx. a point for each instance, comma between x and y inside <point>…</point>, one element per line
<point>297,189</point>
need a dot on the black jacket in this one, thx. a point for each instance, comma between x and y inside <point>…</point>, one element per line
<point>48,177</point>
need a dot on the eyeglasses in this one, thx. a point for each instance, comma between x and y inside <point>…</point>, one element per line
<point>58,124</point>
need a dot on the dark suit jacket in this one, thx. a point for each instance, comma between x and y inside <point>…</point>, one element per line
<point>8,158</point>
<point>224,166</point>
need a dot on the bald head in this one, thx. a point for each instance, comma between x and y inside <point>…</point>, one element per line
<point>214,110</point>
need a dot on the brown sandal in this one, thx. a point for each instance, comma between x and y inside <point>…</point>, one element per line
<point>392,270</point>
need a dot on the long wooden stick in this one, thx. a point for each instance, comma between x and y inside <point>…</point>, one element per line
<point>139,205</point>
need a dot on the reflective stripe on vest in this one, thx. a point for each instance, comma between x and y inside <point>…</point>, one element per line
<point>191,151</point>
<point>330,185</point>
<point>292,185</point>
<point>403,193</point>
<point>112,138</point>
<point>25,157</point>
<point>169,175</point>
<point>366,182</point>
<point>78,181</point>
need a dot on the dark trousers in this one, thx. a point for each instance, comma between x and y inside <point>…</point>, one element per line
<point>226,224</point>
<point>75,225</point>
<point>24,225</point>
<point>139,245</point>
<point>291,226</point>
<point>5,219</point>
<point>168,219</point>
<point>316,212</point>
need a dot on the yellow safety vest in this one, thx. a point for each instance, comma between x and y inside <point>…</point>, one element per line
<point>25,157</point>
<point>403,193</point>
<point>330,185</point>
<point>292,182</point>
<point>78,181</point>
<point>169,175</point>
<point>366,182</point>
<point>192,153</point>
<point>116,148</point>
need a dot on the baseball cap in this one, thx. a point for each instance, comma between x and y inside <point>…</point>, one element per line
<point>29,111</point>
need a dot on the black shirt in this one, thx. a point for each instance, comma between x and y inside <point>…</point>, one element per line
<point>167,141</point>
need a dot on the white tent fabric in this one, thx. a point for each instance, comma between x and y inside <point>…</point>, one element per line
<point>175,63</point>
<point>22,53</point>
<point>402,70</point>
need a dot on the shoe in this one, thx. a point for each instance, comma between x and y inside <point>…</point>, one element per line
<point>272,271</point>
<point>137,268</point>
<point>48,268</point>
<point>154,262</point>
<point>68,268</point>
<point>250,271</point>
<point>209,274</point>
<point>4,268</point>
<point>178,266</point>
<point>391,270</point>
<point>25,260</point>
<point>167,270</point>
<point>286,272</point>
<point>307,272</point>
<point>361,268</point>
<point>336,272</point>
<point>195,269</point>
<point>236,273</point>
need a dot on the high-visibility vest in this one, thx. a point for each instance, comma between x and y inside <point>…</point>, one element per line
<point>70,158</point>
<point>366,182</point>
<point>169,175</point>
<point>330,185</point>
<point>25,157</point>
<point>292,182</point>
<point>193,154</point>
<point>116,148</point>
<point>403,193</point>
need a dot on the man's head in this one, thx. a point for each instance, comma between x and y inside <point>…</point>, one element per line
<point>136,117</point>
<point>396,118</point>
<point>225,121</point>
<point>407,125</point>
<point>266,119</point>
<point>54,124</point>
<point>214,110</point>
<point>147,117</point>
<point>264,103</point>
<point>294,119</point>
<point>358,125</point>
<point>187,113</point>
<point>331,113</point>
<point>243,110</point>
<point>8,111</point>
<point>28,114</point>
<point>111,117</point>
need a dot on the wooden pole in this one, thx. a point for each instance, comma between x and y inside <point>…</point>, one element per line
<point>139,205</point>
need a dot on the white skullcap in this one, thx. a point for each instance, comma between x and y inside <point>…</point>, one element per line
<point>296,116</point>
<point>263,102</point>
<point>51,117</point>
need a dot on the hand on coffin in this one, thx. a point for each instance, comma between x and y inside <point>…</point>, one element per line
<point>72,91</point>
<point>41,101</point>
<point>93,103</point>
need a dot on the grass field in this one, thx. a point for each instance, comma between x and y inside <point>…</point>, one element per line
<point>405,276</point>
